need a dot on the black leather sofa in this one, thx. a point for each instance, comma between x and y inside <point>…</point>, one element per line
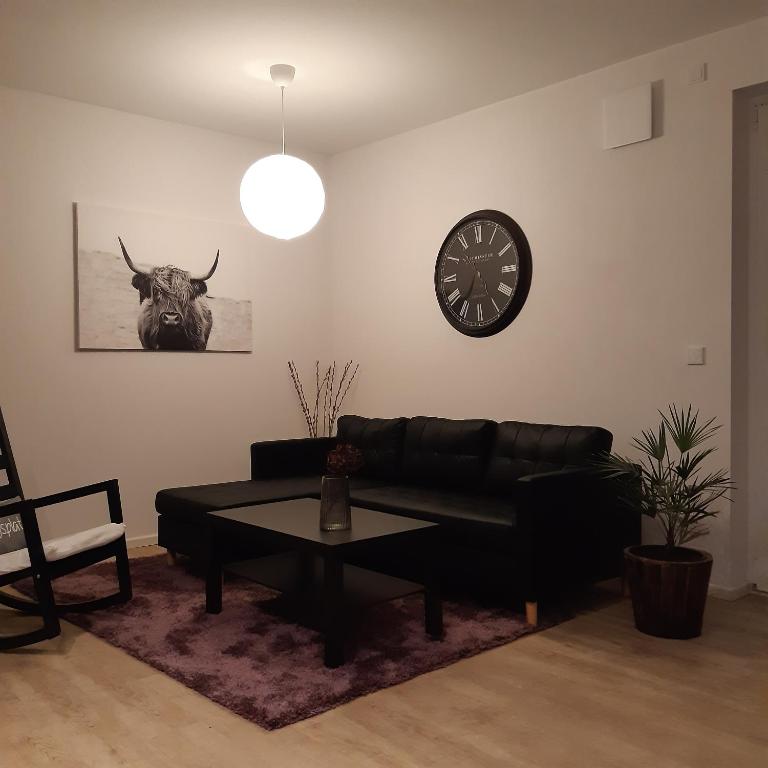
<point>519,506</point>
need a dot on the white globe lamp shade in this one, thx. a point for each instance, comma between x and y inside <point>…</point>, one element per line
<point>282,196</point>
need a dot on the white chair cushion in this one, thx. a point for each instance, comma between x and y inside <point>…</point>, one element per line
<point>64,546</point>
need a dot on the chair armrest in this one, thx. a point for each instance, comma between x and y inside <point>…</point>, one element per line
<point>110,487</point>
<point>286,458</point>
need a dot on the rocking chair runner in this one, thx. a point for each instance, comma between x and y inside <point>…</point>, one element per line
<point>26,555</point>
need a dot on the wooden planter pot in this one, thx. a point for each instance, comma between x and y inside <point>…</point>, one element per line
<point>668,588</point>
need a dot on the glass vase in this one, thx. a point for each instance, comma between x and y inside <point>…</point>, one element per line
<point>335,514</point>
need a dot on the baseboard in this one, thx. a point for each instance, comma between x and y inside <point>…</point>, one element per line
<point>730,593</point>
<point>141,541</point>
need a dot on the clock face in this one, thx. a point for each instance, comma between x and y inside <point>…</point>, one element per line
<point>483,273</point>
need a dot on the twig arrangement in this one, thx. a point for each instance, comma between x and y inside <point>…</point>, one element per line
<point>329,391</point>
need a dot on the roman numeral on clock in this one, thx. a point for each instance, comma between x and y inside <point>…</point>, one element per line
<point>452,258</point>
<point>454,296</point>
<point>509,268</point>
<point>479,313</point>
<point>478,233</point>
<point>463,241</point>
<point>505,249</point>
<point>505,289</point>
<point>493,234</point>
<point>449,279</point>
<point>464,308</point>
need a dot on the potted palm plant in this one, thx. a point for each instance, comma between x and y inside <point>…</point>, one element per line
<point>669,582</point>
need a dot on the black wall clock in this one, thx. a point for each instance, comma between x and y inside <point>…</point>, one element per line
<point>483,273</point>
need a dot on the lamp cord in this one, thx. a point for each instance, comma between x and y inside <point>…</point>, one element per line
<point>282,112</point>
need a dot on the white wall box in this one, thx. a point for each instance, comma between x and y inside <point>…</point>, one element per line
<point>627,117</point>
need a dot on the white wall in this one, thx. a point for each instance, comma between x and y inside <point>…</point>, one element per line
<point>631,252</point>
<point>152,420</point>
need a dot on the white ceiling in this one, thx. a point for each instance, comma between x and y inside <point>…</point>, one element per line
<point>366,69</point>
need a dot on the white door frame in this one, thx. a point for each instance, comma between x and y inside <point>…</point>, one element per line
<point>757,386</point>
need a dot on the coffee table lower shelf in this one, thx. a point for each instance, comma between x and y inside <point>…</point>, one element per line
<point>295,574</point>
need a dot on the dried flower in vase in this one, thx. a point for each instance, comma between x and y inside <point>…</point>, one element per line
<point>344,460</point>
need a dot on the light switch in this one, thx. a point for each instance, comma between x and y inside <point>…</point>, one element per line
<point>697,355</point>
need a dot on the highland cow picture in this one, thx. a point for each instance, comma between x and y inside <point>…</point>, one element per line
<point>160,283</point>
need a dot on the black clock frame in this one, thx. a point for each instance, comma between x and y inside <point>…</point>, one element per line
<point>525,273</point>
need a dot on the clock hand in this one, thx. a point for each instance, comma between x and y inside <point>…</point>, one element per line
<point>485,285</point>
<point>475,272</point>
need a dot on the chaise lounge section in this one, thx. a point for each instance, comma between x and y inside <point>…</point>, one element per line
<point>521,509</point>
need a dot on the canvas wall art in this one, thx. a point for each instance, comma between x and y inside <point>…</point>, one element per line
<point>160,283</point>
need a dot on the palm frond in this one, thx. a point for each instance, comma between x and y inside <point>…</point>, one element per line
<point>684,428</point>
<point>689,462</point>
<point>652,444</point>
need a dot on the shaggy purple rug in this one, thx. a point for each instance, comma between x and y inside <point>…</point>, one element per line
<point>262,667</point>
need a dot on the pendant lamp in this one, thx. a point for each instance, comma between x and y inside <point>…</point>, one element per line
<point>281,195</point>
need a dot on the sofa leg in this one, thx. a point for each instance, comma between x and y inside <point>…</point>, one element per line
<point>170,557</point>
<point>532,613</point>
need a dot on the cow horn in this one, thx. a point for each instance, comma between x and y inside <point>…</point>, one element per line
<point>128,260</point>
<point>208,275</point>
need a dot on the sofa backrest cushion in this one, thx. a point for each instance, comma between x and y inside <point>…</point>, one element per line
<point>523,449</point>
<point>380,440</point>
<point>447,452</point>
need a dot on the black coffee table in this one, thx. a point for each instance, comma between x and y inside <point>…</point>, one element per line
<point>313,572</point>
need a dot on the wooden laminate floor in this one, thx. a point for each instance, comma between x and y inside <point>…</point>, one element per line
<point>591,693</point>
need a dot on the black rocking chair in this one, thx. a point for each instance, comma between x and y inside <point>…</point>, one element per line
<point>23,554</point>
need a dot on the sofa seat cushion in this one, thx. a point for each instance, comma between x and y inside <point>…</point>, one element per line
<point>447,453</point>
<point>379,440</point>
<point>197,500</point>
<point>64,546</point>
<point>449,508</point>
<point>194,501</point>
<point>522,449</point>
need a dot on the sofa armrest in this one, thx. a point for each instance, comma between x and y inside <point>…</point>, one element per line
<point>286,458</point>
<point>553,489</point>
<point>580,490</point>
<point>575,523</point>
<point>558,477</point>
